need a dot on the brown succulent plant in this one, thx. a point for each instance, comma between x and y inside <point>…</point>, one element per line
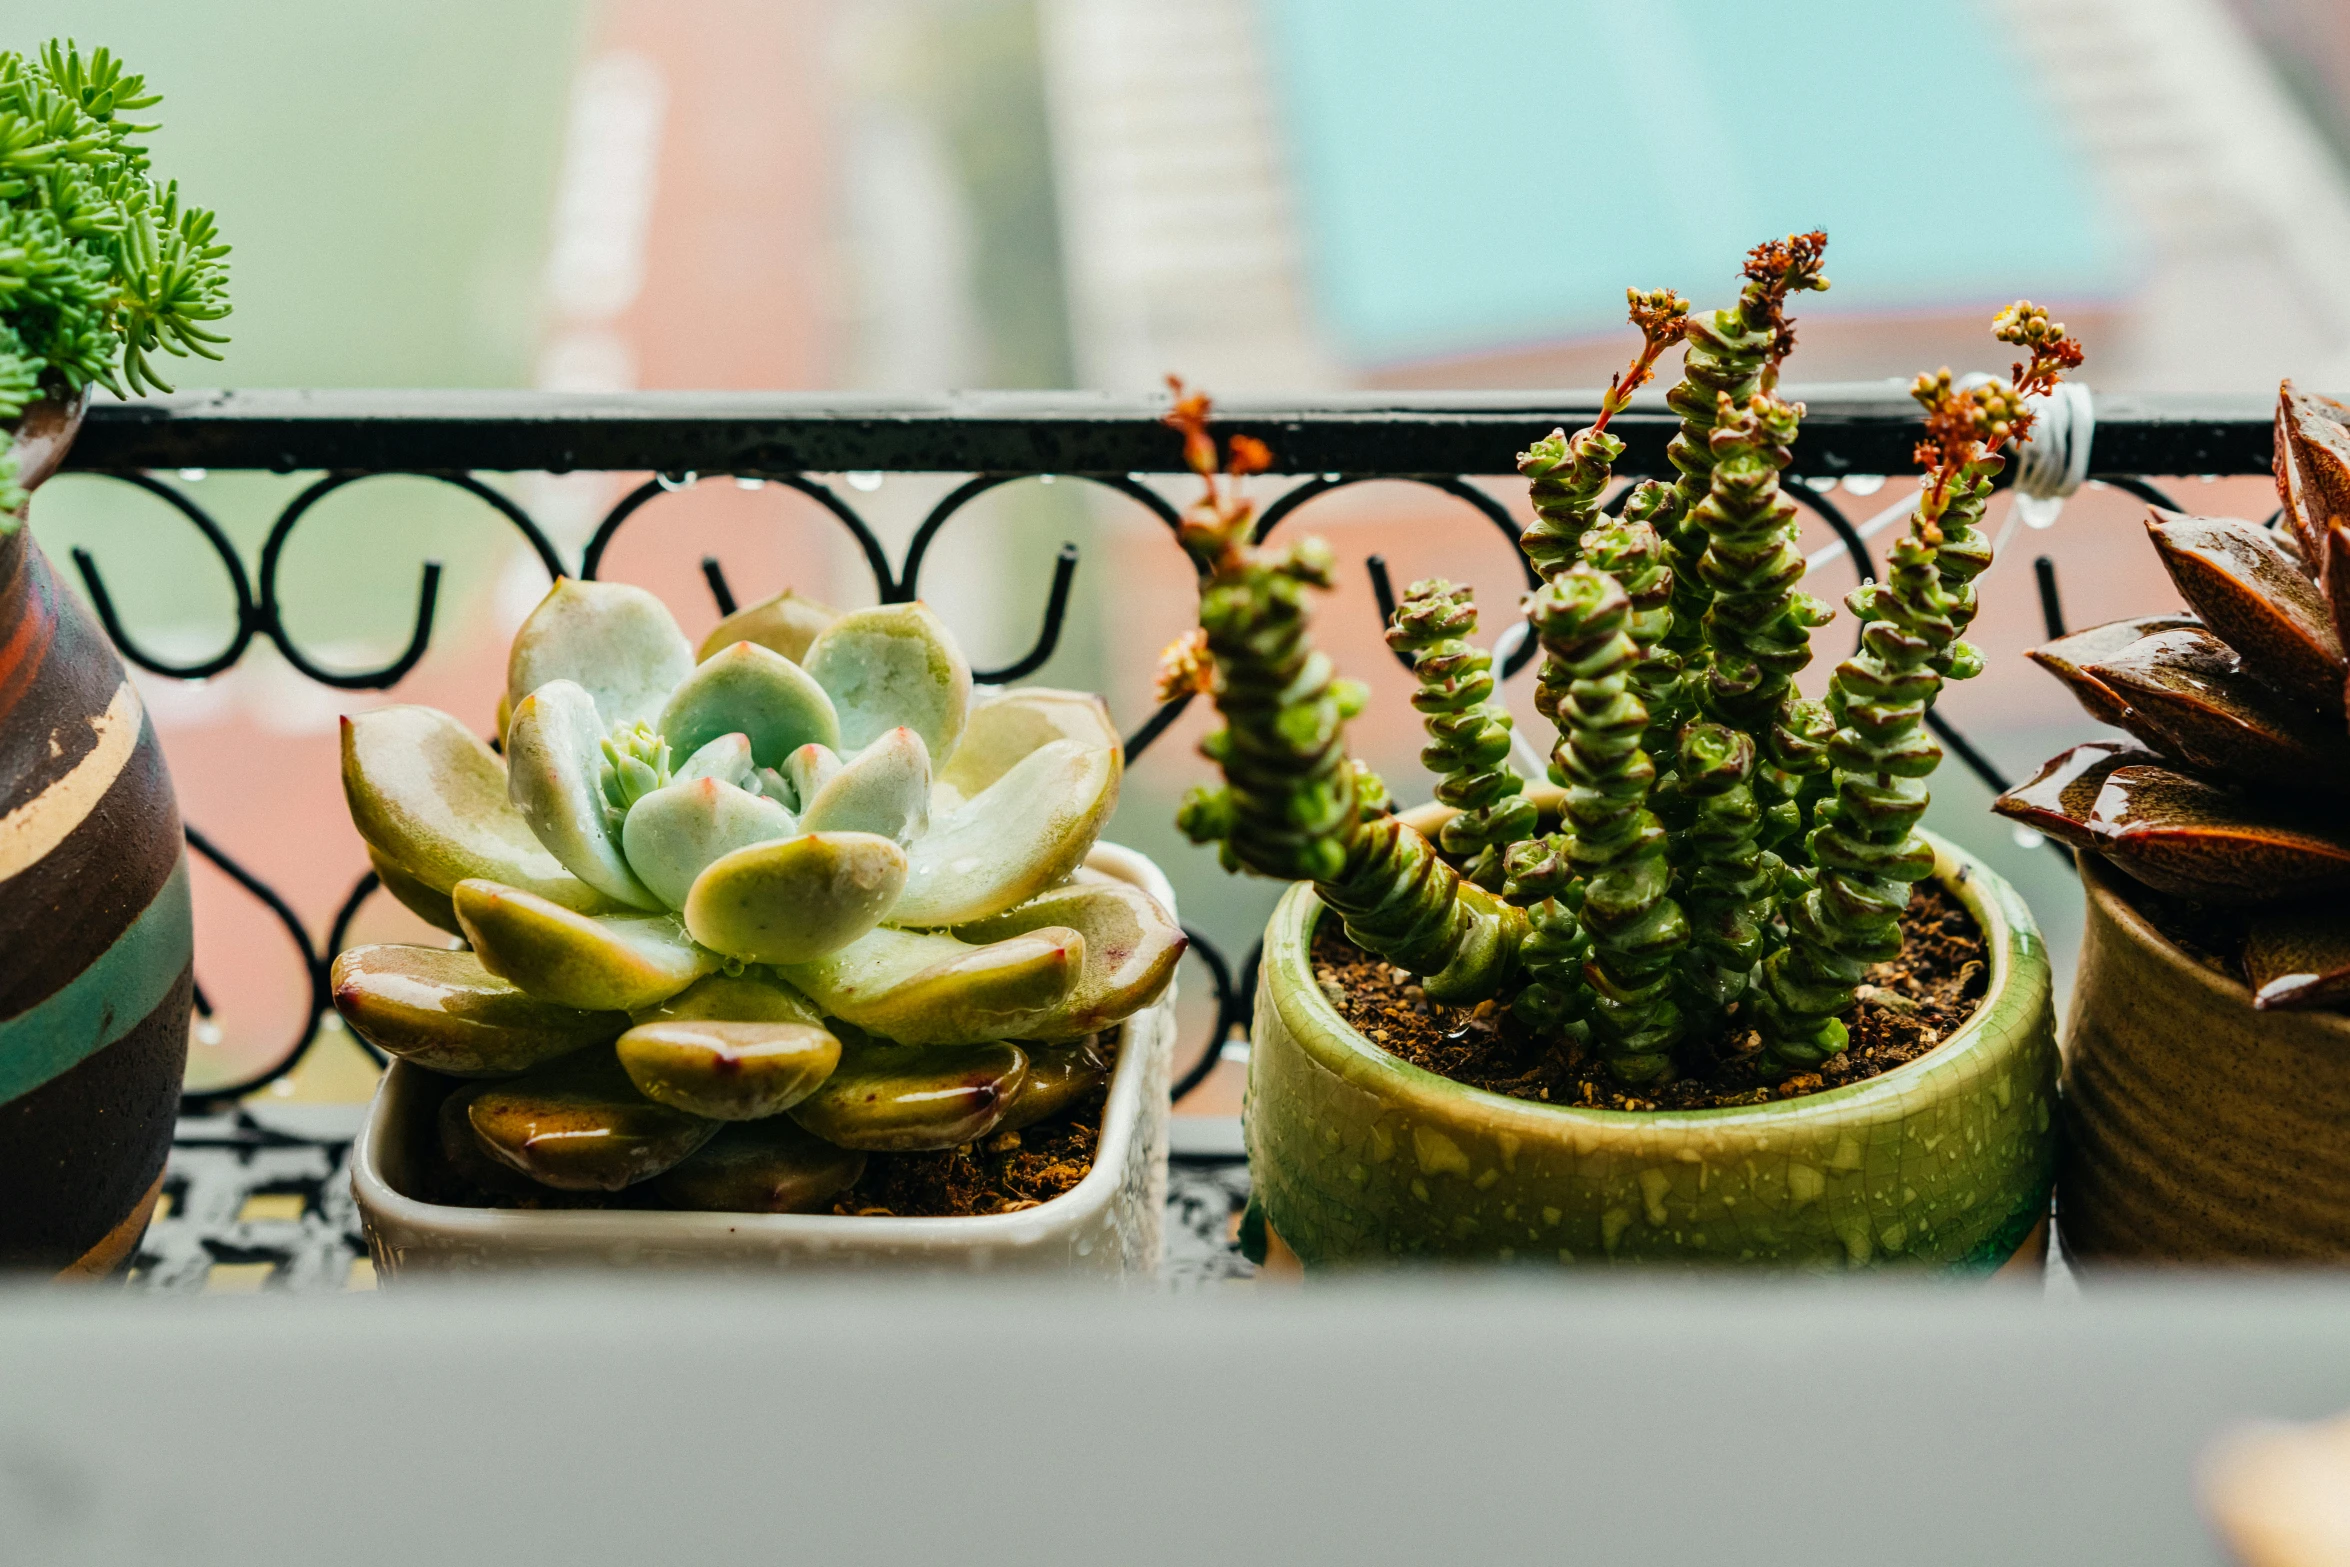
<point>2233,794</point>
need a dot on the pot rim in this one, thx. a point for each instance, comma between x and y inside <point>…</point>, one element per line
<point>1122,1123</point>
<point>2108,889</point>
<point>2011,937</point>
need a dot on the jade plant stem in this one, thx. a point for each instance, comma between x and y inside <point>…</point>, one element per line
<point>1293,804</point>
<point>1468,731</point>
<point>1618,847</point>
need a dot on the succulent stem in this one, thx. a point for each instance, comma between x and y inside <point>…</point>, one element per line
<point>1294,804</point>
<point>1542,882</point>
<point>1636,929</point>
<point>1735,353</point>
<point>1468,732</point>
<point>1865,846</point>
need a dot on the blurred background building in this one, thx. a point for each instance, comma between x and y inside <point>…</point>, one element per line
<point>1266,195</point>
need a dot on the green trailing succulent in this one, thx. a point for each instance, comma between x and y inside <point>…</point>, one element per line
<point>737,917</point>
<point>1293,803</point>
<point>1727,858</point>
<point>101,267</point>
<point>1468,731</point>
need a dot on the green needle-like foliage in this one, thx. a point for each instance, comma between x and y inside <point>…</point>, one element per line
<point>1618,849</point>
<point>1292,804</point>
<point>1468,731</point>
<point>101,268</point>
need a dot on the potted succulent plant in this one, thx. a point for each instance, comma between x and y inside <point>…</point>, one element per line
<point>2207,1070</point>
<point>781,951</point>
<point>1671,1015</point>
<point>101,268</point>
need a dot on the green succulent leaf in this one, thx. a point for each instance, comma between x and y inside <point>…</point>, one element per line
<point>555,752</point>
<point>786,623</point>
<point>884,790</point>
<point>1005,729</point>
<point>617,641</point>
<point>434,908</point>
<point>928,988</point>
<point>752,691</point>
<point>728,1071</point>
<point>445,1012</point>
<point>797,899</point>
<point>578,1124</point>
<point>727,759</point>
<point>892,665</point>
<point>672,835</point>
<point>1131,949</point>
<point>808,769</point>
<point>1025,832</point>
<point>597,962</point>
<point>635,764</point>
<point>753,996</point>
<point>770,1166</point>
<point>430,798</point>
<point>913,1098</point>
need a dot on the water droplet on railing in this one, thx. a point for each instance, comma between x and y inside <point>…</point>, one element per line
<point>2038,511</point>
<point>866,479</point>
<point>2025,837</point>
<point>1332,478</point>
<point>1820,485</point>
<point>673,482</point>
<point>749,483</point>
<point>192,475</point>
<point>1863,483</point>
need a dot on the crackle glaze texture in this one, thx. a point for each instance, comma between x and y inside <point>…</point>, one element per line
<point>2197,1129</point>
<point>1109,1224</point>
<point>1947,1161</point>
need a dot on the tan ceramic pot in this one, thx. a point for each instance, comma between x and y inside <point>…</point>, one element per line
<point>2199,1130</point>
<point>1947,1161</point>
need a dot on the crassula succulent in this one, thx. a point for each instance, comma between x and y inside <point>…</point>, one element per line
<point>801,887</point>
<point>1729,858</point>
<point>2228,791</point>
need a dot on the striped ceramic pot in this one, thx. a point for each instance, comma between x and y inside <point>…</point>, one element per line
<point>95,933</point>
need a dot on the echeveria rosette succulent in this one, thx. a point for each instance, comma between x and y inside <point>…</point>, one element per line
<point>743,873</point>
<point>2230,788</point>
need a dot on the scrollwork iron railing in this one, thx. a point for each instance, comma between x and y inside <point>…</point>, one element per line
<point>995,438</point>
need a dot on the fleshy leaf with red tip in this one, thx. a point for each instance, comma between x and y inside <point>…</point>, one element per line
<point>2187,695</point>
<point>2059,800</point>
<point>2298,958</point>
<point>2313,473</point>
<point>2066,657</point>
<point>2257,599</point>
<point>2182,835</point>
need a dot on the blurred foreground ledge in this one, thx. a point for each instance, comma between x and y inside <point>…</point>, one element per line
<point>1412,1418</point>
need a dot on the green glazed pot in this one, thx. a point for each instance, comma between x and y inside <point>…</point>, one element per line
<point>2198,1130</point>
<point>1947,1161</point>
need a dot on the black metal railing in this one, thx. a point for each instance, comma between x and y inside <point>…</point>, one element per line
<point>996,438</point>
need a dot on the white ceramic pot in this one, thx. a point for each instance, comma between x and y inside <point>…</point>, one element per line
<point>1109,1224</point>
